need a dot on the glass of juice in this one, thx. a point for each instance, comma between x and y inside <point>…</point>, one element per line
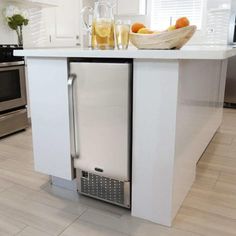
<point>122,30</point>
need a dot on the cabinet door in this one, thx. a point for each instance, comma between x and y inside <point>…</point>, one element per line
<point>64,24</point>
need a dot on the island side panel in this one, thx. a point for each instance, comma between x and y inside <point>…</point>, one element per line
<point>224,66</point>
<point>49,114</point>
<point>154,121</point>
<point>199,114</point>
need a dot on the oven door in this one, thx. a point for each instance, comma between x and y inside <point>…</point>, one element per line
<point>12,85</point>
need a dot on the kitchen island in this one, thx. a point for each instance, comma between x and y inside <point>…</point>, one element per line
<point>177,108</point>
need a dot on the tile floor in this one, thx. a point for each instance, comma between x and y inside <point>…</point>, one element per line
<point>29,206</point>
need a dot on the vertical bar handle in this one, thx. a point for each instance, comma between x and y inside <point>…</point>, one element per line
<point>72,116</point>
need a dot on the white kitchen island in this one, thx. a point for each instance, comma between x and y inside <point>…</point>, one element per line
<point>177,107</point>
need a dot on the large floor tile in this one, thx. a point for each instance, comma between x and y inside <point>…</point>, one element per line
<point>228,177</point>
<point>52,200</point>
<point>208,204</point>
<point>82,228</point>
<point>222,150</point>
<point>29,205</point>
<point>204,223</point>
<point>128,225</point>
<point>5,184</point>
<point>9,226</point>
<point>205,178</point>
<point>34,214</point>
<point>221,138</point>
<point>17,153</point>
<point>84,201</point>
<point>30,231</point>
<point>22,140</point>
<point>217,163</point>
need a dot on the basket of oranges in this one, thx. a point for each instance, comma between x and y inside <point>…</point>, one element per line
<point>175,37</point>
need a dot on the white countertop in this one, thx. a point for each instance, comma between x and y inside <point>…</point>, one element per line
<point>188,52</point>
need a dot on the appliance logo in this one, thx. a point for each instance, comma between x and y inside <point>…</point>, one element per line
<point>98,169</point>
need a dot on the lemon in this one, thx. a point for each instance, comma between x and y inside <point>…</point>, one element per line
<point>145,31</point>
<point>103,28</point>
<point>171,28</point>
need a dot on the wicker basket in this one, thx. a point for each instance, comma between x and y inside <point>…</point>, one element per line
<point>167,40</point>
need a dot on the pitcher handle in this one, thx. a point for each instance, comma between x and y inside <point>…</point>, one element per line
<point>86,13</point>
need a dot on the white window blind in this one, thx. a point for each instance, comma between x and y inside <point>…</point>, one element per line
<point>161,12</point>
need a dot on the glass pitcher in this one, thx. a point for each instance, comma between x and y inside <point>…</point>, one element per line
<point>102,28</point>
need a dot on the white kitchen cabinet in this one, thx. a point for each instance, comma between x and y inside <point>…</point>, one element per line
<point>64,23</point>
<point>177,108</point>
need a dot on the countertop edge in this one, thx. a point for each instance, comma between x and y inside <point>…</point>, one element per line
<point>212,54</point>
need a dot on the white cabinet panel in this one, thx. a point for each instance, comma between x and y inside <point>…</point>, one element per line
<point>50,116</point>
<point>177,108</point>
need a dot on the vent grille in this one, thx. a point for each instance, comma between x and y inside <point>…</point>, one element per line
<point>104,188</point>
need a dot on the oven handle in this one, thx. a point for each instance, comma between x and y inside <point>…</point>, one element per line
<point>14,63</point>
<point>72,117</point>
<point>12,113</point>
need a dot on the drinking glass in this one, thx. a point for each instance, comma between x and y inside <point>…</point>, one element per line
<point>122,30</point>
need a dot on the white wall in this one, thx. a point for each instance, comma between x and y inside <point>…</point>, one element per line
<point>33,34</point>
<point>217,3</point>
<point>7,35</point>
<point>128,7</point>
<point>233,5</point>
<point>124,7</point>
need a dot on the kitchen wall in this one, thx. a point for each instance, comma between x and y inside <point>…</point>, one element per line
<point>7,35</point>
<point>217,3</point>
<point>128,7</point>
<point>217,21</point>
<point>34,33</point>
<point>124,7</point>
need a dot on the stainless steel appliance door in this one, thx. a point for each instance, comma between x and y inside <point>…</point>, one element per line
<point>102,118</point>
<point>12,87</point>
<point>230,87</point>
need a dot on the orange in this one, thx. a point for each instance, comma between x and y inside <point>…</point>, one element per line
<point>136,27</point>
<point>182,22</point>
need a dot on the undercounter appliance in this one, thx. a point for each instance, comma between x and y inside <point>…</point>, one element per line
<point>230,87</point>
<point>13,111</point>
<point>100,98</point>
<point>232,29</point>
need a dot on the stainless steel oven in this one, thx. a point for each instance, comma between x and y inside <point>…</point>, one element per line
<point>13,109</point>
<point>12,85</point>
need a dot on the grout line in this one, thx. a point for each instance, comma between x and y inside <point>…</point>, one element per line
<point>72,222</point>
<point>21,230</point>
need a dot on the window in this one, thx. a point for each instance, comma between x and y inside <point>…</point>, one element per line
<point>163,12</point>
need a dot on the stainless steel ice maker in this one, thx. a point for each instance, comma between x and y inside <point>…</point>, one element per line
<point>100,99</point>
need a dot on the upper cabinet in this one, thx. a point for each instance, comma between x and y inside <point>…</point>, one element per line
<point>64,24</point>
<point>52,23</point>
